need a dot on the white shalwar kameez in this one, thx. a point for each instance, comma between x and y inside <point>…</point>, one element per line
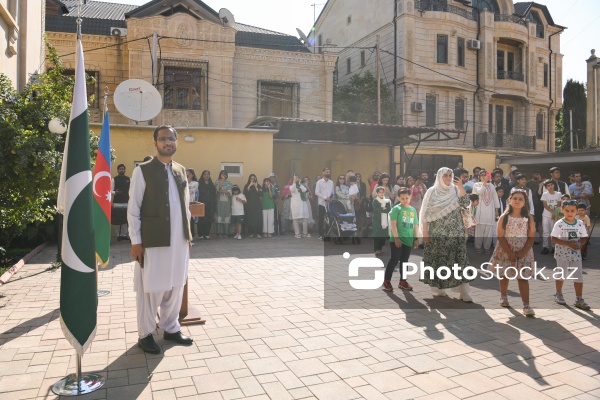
<point>160,283</point>
<point>485,215</point>
<point>299,209</point>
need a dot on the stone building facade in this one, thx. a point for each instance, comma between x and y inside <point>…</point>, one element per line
<point>490,67</point>
<point>21,42</point>
<point>593,108</point>
<point>209,74</point>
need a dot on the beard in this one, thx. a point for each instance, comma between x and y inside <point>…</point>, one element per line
<point>167,152</point>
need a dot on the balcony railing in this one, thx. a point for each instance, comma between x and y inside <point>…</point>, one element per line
<point>512,75</point>
<point>442,5</point>
<point>499,140</point>
<point>510,18</point>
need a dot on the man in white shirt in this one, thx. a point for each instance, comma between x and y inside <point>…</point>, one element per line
<point>324,192</point>
<point>159,228</point>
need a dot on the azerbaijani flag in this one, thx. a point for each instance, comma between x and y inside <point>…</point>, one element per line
<point>102,187</point>
<point>78,287</point>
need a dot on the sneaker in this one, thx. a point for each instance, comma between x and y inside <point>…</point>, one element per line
<point>528,311</point>
<point>559,299</point>
<point>269,235</point>
<point>320,237</point>
<point>239,237</point>
<point>387,286</point>
<point>207,237</point>
<point>580,303</point>
<point>258,237</point>
<point>404,285</point>
<point>504,302</point>
<point>200,237</point>
<point>307,235</point>
<point>545,250</point>
<point>378,253</point>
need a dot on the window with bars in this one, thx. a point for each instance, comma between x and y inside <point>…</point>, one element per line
<point>490,118</point>
<point>459,114</point>
<point>278,99</point>
<point>185,85</point>
<point>92,85</point>
<point>442,49</point>
<point>348,66</point>
<point>430,110</point>
<point>545,75</point>
<point>539,126</point>
<point>461,52</point>
<point>499,119</point>
<point>509,120</point>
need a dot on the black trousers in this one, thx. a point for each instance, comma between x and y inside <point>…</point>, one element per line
<point>398,255</point>
<point>204,225</point>
<point>322,212</point>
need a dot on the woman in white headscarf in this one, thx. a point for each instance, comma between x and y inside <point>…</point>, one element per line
<point>444,233</point>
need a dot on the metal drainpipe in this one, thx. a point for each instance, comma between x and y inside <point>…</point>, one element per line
<point>401,170</point>
<point>550,84</point>
<point>476,10</point>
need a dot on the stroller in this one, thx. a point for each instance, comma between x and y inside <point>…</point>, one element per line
<point>339,224</point>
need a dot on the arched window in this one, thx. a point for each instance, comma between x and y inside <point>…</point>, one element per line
<point>489,5</point>
<point>539,27</point>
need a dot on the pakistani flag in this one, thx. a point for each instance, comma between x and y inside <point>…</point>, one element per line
<point>78,287</point>
<point>102,187</point>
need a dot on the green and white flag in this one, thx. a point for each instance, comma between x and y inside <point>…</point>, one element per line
<point>78,286</point>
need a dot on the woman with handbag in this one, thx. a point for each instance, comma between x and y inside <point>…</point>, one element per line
<point>444,233</point>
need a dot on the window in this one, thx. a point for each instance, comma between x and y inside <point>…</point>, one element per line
<point>185,85</point>
<point>278,99</point>
<point>363,61</point>
<point>348,66</point>
<point>490,118</point>
<point>234,169</point>
<point>489,5</point>
<point>459,114</point>
<point>320,43</point>
<point>461,52</point>
<point>539,27</point>
<point>92,85</point>
<point>539,126</point>
<point>545,75</point>
<point>442,49</point>
<point>499,119</point>
<point>509,120</point>
<point>500,61</point>
<point>430,110</point>
<point>510,61</point>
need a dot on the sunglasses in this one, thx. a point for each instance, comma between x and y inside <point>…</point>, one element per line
<point>569,202</point>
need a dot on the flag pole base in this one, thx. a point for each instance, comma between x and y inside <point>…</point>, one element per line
<point>102,293</point>
<point>68,386</point>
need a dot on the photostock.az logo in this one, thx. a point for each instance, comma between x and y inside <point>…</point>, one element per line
<point>365,284</point>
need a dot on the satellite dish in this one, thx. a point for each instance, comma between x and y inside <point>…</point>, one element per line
<point>137,100</point>
<point>227,17</point>
<point>302,36</point>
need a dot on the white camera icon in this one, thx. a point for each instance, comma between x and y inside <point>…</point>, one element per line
<point>366,284</point>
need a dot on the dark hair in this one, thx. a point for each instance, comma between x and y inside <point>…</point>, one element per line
<point>352,178</point>
<point>193,173</point>
<point>585,178</point>
<point>547,182</point>
<point>403,190</point>
<point>509,209</point>
<point>325,169</point>
<point>460,171</point>
<point>474,197</point>
<point>264,185</point>
<point>581,205</point>
<point>554,169</point>
<point>399,177</point>
<point>147,158</point>
<point>379,188</point>
<point>566,195</point>
<point>120,165</point>
<point>160,128</point>
<point>221,174</point>
<point>476,168</point>
<point>520,176</point>
<point>496,172</point>
<point>234,188</point>
<point>499,188</point>
<point>210,182</point>
<point>498,169</point>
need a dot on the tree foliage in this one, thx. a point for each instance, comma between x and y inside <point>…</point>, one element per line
<point>31,155</point>
<point>357,101</point>
<point>574,98</point>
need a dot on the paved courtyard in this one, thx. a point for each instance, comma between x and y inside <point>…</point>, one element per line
<point>268,335</point>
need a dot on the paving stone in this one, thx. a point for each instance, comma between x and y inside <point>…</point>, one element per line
<point>266,365</point>
<point>250,386</point>
<point>334,390</point>
<point>276,390</point>
<point>312,366</point>
<point>214,382</point>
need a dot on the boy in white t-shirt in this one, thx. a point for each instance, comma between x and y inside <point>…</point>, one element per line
<point>237,210</point>
<point>569,235</point>
<point>550,199</point>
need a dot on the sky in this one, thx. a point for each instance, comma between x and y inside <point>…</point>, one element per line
<point>581,17</point>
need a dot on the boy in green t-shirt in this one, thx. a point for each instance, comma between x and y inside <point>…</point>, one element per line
<point>403,238</point>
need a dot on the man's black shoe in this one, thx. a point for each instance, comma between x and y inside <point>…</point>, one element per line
<point>149,345</point>
<point>178,337</point>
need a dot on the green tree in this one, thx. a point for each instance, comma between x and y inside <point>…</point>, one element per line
<point>574,98</point>
<point>357,101</point>
<point>31,155</point>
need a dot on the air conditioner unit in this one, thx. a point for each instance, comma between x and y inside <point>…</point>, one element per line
<point>415,106</point>
<point>474,44</point>
<point>118,31</point>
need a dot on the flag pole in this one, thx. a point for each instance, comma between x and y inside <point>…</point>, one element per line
<point>102,292</point>
<point>77,384</point>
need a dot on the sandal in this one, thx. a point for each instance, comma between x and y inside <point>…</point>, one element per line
<point>504,302</point>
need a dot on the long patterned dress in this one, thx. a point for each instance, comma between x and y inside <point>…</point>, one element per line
<point>516,236</point>
<point>447,246</point>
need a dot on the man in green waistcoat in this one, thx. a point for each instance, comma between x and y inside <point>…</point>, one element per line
<point>158,216</point>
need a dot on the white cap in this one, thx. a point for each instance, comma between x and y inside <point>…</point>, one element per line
<point>272,174</point>
<point>514,168</point>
